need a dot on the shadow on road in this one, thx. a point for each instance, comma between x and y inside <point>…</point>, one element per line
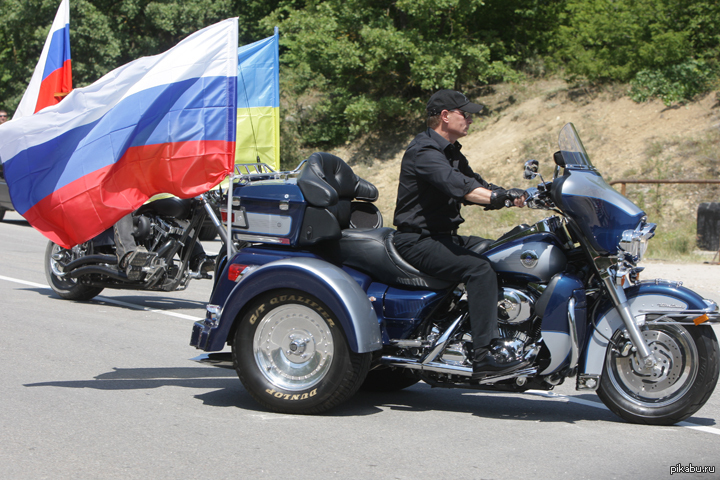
<point>130,302</point>
<point>229,392</point>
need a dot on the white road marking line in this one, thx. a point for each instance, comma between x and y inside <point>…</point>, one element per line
<point>590,403</point>
<point>103,299</point>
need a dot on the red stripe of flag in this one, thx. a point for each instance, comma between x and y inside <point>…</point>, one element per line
<point>59,81</point>
<point>93,203</point>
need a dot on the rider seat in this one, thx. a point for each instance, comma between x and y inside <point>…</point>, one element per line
<point>351,232</point>
<point>372,251</point>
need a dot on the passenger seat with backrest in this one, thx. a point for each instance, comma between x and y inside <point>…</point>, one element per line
<point>329,186</point>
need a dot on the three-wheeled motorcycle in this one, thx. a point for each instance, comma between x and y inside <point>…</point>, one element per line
<point>319,303</point>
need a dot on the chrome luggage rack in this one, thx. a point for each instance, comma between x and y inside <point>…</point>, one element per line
<point>248,172</point>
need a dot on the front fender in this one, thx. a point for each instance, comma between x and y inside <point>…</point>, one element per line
<point>644,296</point>
<point>330,284</point>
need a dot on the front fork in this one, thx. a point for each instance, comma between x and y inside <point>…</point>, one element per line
<point>619,300</point>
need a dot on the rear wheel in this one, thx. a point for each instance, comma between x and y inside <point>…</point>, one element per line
<point>680,384</point>
<point>292,356</point>
<point>65,287</point>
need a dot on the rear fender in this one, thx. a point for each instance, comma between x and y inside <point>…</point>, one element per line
<point>641,298</point>
<point>331,285</point>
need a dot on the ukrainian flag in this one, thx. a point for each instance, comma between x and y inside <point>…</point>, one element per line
<point>258,113</point>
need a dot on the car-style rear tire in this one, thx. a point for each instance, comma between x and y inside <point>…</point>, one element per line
<point>291,354</point>
<point>66,288</point>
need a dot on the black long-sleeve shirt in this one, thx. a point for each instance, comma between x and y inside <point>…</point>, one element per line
<point>434,178</point>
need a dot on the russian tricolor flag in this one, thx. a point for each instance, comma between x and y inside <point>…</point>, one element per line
<point>52,79</point>
<point>161,124</point>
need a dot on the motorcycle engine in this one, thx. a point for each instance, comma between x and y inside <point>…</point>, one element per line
<point>515,308</point>
<point>515,315</point>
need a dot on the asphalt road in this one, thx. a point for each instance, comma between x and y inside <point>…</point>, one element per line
<point>109,389</point>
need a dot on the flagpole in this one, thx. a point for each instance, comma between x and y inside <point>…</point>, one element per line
<point>230,248</point>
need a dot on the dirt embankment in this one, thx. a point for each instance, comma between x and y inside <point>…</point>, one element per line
<point>624,140</point>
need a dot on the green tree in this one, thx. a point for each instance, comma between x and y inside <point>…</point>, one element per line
<point>611,40</point>
<point>361,65</point>
<point>105,34</point>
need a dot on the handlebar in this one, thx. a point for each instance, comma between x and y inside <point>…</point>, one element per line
<point>539,197</point>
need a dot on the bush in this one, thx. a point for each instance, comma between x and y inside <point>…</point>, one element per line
<point>672,84</point>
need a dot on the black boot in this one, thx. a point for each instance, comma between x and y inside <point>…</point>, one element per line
<point>133,262</point>
<point>491,363</point>
<point>203,265</point>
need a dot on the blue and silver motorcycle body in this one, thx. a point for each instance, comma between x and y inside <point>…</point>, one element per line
<point>318,303</point>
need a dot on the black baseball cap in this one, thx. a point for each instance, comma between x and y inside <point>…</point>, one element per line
<point>451,100</point>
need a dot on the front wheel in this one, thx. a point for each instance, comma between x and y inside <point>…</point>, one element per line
<point>678,386</point>
<point>292,356</point>
<point>67,288</point>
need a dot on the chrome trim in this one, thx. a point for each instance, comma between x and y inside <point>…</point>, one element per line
<point>516,306</point>
<point>251,169</point>
<point>258,238</point>
<point>684,317</point>
<point>587,382</point>
<point>572,329</point>
<point>617,294</point>
<point>438,367</point>
<point>293,347</point>
<point>680,312</point>
<point>218,225</point>
<point>529,258</point>
<point>634,242</point>
<point>409,343</point>
<point>442,342</point>
<point>525,372</point>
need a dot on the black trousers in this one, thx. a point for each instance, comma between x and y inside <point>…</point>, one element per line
<point>124,240</point>
<point>448,257</point>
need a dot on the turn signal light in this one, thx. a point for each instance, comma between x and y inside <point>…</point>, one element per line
<point>235,271</point>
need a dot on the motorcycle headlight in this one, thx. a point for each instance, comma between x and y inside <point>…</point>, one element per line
<point>634,242</point>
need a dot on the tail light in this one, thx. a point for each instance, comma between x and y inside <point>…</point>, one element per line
<point>235,271</point>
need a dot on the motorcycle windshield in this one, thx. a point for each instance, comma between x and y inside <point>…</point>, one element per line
<point>572,149</point>
<point>601,213</point>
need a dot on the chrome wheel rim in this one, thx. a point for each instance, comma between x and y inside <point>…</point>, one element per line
<point>669,380</point>
<point>293,347</point>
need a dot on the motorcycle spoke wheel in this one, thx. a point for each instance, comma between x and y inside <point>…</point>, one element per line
<point>672,390</point>
<point>292,356</point>
<point>65,287</point>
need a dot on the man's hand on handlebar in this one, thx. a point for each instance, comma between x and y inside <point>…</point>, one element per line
<point>517,196</point>
<point>506,198</point>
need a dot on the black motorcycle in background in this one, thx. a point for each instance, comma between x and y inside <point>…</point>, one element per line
<point>169,228</point>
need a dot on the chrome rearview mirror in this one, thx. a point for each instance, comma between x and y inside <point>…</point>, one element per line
<point>531,169</point>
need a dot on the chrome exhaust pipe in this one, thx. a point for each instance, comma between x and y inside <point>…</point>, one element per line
<point>446,368</point>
